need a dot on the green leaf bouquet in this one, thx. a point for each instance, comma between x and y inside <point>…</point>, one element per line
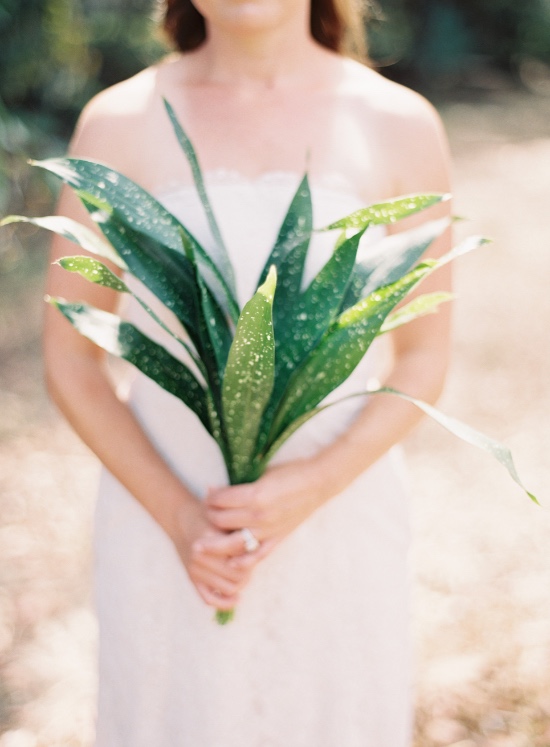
<point>256,375</point>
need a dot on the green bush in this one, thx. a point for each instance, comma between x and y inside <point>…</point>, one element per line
<point>55,55</point>
<point>438,41</point>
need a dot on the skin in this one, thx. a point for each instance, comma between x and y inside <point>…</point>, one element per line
<point>258,70</point>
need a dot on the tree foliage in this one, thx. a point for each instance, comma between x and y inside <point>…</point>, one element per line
<point>55,55</point>
<point>438,41</point>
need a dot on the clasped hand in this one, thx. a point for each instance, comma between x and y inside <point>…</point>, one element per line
<point>271,508</point>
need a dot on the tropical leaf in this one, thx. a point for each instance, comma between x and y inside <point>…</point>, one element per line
<point>307,319</point>
<point>428,303</point>
<point>314,309</point>
<point>391,258</point>
<point>110,191</point>
<point>383,213</point>
<point>75,232</point>
<point>215,322</point>
<point>291,269</point>
<point>222,256</point>
<point>466,433</point>
<point>124,340</point>
<point>214,333</point>
<point>348,339</point>
<point>94,271</point>
<point>98,273</point>
<point>168,274</point>
<point>216,428</point>
<point>289,253</point>
<point>497,450</point>
<point>339,352</point>
<point>249,377</point>
<point>296,228</point>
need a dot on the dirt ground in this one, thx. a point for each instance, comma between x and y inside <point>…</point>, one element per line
<point>481,562</point>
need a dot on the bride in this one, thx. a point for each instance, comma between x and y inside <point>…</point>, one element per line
<point>318,653</point>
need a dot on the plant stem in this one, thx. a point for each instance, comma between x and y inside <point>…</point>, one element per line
<point>223,617</point>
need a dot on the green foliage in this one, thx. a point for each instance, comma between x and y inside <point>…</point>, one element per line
<point>423,305</point>
<point>127,214</point>
<point>122,339</point>
<point>497,450</point>
<point>314,309</point>
<point>221,258</point>
<point>261,380</point>
<point>54,56</point>
<point>263,377</point>
<point>249,378</point>
<point>430,42</point>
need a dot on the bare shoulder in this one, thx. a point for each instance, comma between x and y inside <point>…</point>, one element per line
<point>408,128</point>
<point>111,124</point>
<point>394,104</point>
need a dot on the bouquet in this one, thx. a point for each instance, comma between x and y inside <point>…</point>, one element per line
<point>256,375</point>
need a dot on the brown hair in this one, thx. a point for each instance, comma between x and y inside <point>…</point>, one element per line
<point>336,24</point>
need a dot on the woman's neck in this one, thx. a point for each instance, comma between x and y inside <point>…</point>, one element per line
<point>261,59</point>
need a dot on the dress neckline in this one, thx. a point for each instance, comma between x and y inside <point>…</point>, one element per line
<point>333,183</point>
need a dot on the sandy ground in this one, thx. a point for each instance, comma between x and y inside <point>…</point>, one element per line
<point>481,563</point>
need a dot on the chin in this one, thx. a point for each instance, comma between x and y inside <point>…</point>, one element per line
<point>247,15</point>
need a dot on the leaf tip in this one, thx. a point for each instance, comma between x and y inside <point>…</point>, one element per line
<point>270,283</point>
<point>533,498</point>
<point>67,263</point>
<point>52,300</point>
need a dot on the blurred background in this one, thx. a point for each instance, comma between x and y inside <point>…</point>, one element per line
<point>481,562</point>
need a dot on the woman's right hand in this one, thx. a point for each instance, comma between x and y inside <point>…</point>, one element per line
<point>218,578</point>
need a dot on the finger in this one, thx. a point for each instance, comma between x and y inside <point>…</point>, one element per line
<point>217,583</point>
<point>235,496</point>
<point>245,562</point>
<point>267,546</point>
<point>215,600</point>
<point>224,545</point>
<point>230,519</point>
<point>236,574</point>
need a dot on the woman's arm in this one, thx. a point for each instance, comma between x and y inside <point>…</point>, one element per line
<point>80,386</point>
<point>287,494</point>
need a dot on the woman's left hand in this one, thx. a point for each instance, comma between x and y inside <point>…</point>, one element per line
<point>271,507</point>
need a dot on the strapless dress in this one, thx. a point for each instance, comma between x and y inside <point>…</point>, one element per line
<point>318,654</point>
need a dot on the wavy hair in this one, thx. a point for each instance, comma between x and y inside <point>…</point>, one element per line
<point>336,24</point>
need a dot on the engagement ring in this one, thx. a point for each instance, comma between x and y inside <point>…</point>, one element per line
<point>251,542</point>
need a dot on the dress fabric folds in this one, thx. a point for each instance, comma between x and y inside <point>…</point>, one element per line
<point>318,654</point>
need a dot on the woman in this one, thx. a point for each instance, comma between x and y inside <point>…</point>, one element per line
<point>318,652</point>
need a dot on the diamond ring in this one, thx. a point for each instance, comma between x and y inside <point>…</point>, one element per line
<point>251,543</point>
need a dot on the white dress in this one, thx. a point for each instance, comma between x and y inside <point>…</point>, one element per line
<point>318,653</point>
